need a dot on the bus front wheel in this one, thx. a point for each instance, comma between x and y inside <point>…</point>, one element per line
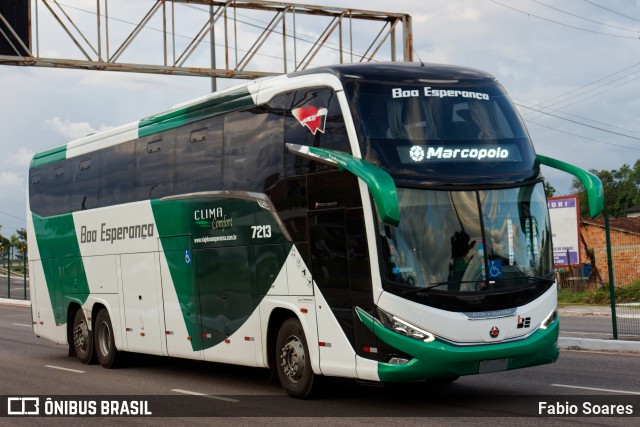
<point>106,350</point>
<point>82,338</point>
<point>292,361</point>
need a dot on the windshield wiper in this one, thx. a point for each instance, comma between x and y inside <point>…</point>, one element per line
<point>435,285</point>
<point>546,280</point>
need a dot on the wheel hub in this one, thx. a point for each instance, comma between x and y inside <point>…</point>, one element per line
<point>81,337</point>
<point>292,359</point>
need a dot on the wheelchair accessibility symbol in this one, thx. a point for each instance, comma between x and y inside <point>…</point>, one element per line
<point>495,268</point>
<point>187,256</point>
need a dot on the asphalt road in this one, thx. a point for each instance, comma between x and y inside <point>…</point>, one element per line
<point>33,366</point>
<point>595,327</point>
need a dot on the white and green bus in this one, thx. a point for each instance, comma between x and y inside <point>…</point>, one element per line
<point>383,222</point>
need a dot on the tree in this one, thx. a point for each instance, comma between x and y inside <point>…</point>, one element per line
<point>621,190</point>
<point>549,190</point>
<point>4,248</point>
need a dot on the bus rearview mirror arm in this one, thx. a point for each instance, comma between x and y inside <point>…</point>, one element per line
<point>379,182</point>
<point>593,185</point>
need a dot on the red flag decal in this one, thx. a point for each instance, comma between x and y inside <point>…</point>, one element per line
<point>312,117</point>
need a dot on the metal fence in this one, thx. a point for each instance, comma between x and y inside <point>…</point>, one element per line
<point>15,286</point>
<point>611,254</point>
<point>628,320</point>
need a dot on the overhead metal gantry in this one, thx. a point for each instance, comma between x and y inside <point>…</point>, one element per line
<point>240,39</point>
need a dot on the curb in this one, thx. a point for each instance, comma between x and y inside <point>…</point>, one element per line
<point>568,343</point>
<point>15,302</point>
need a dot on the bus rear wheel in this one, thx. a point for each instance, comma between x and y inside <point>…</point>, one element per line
<point>293,363</point>
<point>82,338</point>
<point>106,350</point>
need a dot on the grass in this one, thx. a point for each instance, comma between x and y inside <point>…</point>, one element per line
<point>599,296</point>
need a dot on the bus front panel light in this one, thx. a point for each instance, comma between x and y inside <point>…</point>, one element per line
<point>403,327</point>
<point>397,361</point>
<point>549,319</point>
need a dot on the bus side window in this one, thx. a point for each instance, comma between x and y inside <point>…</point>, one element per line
<point>199,156</point>
<point>313,118</point>
<point>84,193</point>
<point>154,165</point>
<point>116,178</point>
<point>37,187</point>
<point>252,157</point>
<point>58,184</point>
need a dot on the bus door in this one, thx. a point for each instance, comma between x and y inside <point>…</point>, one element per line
<point>228,297</point>
<point>339,264</point>
<point>181,298</point>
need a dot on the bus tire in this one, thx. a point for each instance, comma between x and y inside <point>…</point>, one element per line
<point>293,363</point>
<point>108,354</point>
<point>82,338</point>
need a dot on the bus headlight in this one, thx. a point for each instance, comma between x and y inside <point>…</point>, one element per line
<point>404,328</point>
<point>549,319</point>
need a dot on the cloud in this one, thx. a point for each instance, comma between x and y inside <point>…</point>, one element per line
<point>72,130</point>
<point>20,158</point>
<point>11,181</point>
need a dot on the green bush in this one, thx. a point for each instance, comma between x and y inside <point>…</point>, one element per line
<point>599,296</point>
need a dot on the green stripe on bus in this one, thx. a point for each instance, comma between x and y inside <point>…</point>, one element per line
<point>62,262</point>
<point>50,156</point>
<point>437,359</point>
<point>227,102</point>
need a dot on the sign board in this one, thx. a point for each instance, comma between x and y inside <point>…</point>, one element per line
<point>565,228</point>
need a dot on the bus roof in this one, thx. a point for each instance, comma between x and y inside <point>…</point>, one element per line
<point>246,95</point>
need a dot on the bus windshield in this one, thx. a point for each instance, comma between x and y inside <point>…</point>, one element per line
<point>450,132</point>
<point>468,241</point>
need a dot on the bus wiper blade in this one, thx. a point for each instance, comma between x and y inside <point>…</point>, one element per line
<point>546,280</point>
<point>435,285</point>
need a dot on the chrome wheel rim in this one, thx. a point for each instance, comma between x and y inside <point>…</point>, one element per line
<point>81,336</point>
<point>292,359</point>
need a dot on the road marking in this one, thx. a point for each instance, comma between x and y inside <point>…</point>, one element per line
<point>22,324</point>
<point>64,369</point>
<point>586,333</point>
<point>210,396</point>
<point>595,389</point>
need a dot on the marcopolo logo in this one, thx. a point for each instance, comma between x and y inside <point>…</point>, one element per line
<point>422,154</point>
<point>467,153</point>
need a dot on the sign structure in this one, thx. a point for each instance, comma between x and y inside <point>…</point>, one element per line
<point>565,227</point>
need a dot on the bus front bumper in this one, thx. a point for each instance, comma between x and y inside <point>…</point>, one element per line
<point>437,359</point>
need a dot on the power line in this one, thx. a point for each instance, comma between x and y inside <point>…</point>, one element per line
<point>593,82</point>
<point>562,23</point>
<point>604,89</point>
<point>600,90</point>
<point>583,18</point>
<point>12,216</point>
<point>580,123</point>
<point>578,117</point>
<point>613,11</point>
<point>583,137</point>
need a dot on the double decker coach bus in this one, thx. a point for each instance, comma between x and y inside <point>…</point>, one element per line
<point>385,222</point>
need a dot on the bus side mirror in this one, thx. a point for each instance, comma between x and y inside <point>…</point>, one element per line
<point>593,185</point>
<point>379,182</point>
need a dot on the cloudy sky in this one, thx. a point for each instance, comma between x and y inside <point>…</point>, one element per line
<point>576,61</point>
